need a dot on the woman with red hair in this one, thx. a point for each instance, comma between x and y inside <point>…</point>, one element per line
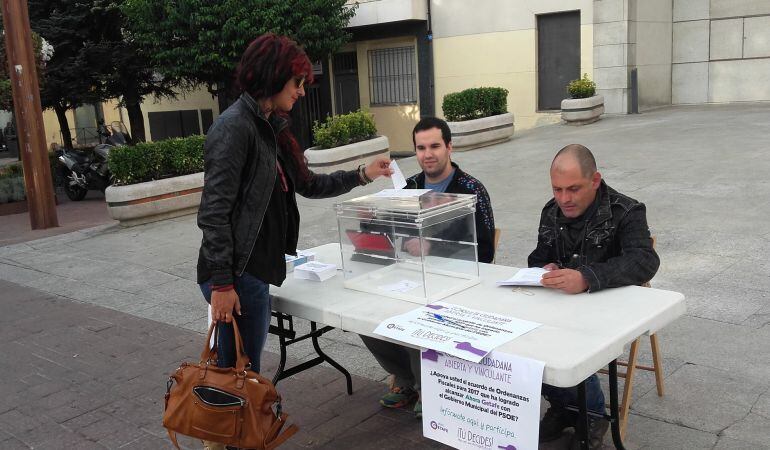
<point>253,166</point>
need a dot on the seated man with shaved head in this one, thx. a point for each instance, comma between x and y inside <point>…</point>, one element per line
<point>591,237</point>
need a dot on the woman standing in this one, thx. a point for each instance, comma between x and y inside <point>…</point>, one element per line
<point>253,166</point>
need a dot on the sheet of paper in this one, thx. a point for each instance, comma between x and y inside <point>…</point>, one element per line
<point>494,404</point>
<point>316,271</point>
<point>401,193</point>
<point>525,277</point>
<point>399,181</point>
<point>400,286</point>
<point>462,332</point>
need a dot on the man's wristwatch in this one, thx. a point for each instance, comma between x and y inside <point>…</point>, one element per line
<point>362,175</point>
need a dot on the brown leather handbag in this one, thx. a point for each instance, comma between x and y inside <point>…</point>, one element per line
<point>234,406</point>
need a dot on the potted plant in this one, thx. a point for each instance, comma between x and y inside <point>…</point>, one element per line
<point>478,117</point>
<point>344,142</point>
<point>155,180</point>
<point>12,192</point>
<point>584,106</point>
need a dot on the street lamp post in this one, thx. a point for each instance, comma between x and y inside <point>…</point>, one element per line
<point>29,115</point>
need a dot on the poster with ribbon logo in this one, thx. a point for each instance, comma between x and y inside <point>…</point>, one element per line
<point>463,332</point>
<point>492,404</point>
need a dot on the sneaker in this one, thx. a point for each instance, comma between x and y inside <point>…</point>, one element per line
<point>597,428</point>
<point>398,397</point>
<point>554,422</point>
<point>418,409</point>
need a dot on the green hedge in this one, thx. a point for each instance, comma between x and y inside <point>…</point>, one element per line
<point>12,187</point>
<point>12,184</point>
<point>582,87</point>
<point>344,129</point>
<point>475,103</point>
<point>149,161</point>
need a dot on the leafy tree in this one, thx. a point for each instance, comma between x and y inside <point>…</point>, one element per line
<point>73,75</point>
<point>129,75</point>
<point>202,41</point>
<point>6,94</point>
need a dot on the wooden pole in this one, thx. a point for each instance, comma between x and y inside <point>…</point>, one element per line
<point>29,115</point>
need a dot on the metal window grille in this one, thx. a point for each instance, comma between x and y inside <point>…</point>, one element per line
<point>392,76</point>
<point>345,63</point>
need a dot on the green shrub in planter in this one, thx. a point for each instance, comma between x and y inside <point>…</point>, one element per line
<point>18,193</point>
<point>582,87</point>
<point>149,161</point>
<point>5,190</point>
<point>12,171</point>
<point>17,170</point>
<point>475,103</point>
<point>344,129</point>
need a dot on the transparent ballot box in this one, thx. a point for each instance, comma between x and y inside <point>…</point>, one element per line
<point>415,248</point>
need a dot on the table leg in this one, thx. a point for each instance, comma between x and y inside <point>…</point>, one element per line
<point>287,337</point>
<point>328,359</point>
<point>614,415</point>
<point>581,429</point>
<point>282,345</point>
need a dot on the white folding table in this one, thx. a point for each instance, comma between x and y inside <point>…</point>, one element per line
<point>580,334</point>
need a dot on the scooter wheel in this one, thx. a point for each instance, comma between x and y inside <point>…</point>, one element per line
<point>75,193</point>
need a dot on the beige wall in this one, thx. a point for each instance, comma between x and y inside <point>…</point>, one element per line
<point>463,17</point>
<point>506,59</point>
<point>370,12</point>
<point>197,99</point>
<point>395,122</point>
<point>51,126</point>
<point>114,113</point>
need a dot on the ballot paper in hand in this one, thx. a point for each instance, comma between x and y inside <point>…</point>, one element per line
<point>525,277</point>
<point>315,271</point>
<point>399,182</point>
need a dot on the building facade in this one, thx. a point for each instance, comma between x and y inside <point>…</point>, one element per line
<point>406,55</point>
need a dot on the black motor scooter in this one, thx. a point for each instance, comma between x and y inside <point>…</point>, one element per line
<point>80,171</point>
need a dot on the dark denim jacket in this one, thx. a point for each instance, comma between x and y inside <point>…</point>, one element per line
<point>617,248</point>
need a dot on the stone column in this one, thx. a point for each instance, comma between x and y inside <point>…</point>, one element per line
<point>614,51</point>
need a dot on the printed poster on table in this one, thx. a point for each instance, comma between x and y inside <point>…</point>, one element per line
<point>494,404</point>
<point>462,332</point>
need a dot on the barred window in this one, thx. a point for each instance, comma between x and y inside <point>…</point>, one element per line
<point>392,76</point>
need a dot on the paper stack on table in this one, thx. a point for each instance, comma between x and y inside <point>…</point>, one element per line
<point>301,258</point>
<point>525,277</point>
<point>315,271</point>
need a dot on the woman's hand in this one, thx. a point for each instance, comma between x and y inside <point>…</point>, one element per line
<point>377,168</point>
<point>222,305</point>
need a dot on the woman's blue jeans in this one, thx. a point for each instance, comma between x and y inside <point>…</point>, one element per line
<point>561,397</point>
<point>253,322</point>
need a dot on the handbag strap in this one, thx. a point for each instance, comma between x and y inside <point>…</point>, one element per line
<point>241,359</point>
<point>282,437</point>
<point>172,436</point>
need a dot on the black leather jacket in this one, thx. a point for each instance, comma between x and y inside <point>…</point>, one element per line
<point>616,249</point>
<point>240,170</point>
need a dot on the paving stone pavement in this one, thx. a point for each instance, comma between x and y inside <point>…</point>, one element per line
<point>79,376</point>
<point>700,170</point>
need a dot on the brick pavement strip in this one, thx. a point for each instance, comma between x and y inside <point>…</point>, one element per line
<point>79,376</point>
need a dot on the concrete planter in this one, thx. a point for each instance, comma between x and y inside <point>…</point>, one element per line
<point>477,133</point>
<point>582,111</point>
<point>347,157</point>
<point>155,200</point>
